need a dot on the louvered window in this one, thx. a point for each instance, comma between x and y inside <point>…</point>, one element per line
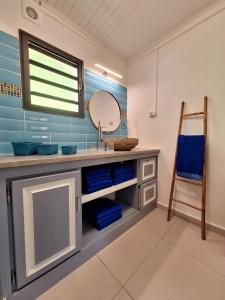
<point>52,80</point>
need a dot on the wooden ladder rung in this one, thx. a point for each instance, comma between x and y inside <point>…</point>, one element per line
<point>187,204</point>
<point>193,114</point>
<point>191,182</point>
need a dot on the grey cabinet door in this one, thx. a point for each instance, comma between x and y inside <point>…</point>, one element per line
<point>46,222</point>
<point>148,169</point>
<point>147,193</point>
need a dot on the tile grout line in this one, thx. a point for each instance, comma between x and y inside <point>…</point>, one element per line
<point>194,257</point>
<point>109,271</point>
<point>141,263</point>
<point>185,251</point>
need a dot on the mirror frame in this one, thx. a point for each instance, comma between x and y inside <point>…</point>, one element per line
<point>117,104</point>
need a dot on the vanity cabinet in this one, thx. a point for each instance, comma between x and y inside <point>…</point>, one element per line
<point>43,235</point>
<point>46,219</point>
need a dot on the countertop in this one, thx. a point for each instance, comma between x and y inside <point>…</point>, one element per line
<point>10,161</point>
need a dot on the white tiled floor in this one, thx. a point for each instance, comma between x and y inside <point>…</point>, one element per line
<point>154,260</point>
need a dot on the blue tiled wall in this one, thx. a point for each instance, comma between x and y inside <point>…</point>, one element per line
<point>17,124</point>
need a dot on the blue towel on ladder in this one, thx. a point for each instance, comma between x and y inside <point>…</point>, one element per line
<point>190,156</point>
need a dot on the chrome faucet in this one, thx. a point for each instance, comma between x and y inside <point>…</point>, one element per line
<point>99,132</point>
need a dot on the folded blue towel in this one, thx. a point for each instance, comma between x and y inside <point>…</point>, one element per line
<point>190,156</point>
<point>124,176</point>
<point>98,182</point>
<point>101,208</point>
<point>102,219</point>
<point>94,179</point>
<point>122,172</point>
<point>97,172</point>
<point>100,226</point>
<point>100,174</point>
<point>122,180</point>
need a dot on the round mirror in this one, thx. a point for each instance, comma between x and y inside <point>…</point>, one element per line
<point>104,110</point>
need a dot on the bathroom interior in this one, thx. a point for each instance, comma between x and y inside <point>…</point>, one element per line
<point>112,150</point>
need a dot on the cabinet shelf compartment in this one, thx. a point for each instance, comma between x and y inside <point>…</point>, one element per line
<point>128,198</point>
<point>91,234</point>
<point>109,190</point>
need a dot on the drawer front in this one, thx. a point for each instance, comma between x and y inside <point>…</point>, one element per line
<point>47,223</point>
<point>148,169</point>
<point>147,193</point>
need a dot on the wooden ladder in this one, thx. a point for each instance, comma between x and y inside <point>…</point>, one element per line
<point>201,183</point>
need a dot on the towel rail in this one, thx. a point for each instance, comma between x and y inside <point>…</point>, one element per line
<point>187,204</point>
<point>191,182</point>
<point>202,183</point>
<point>193,114</point>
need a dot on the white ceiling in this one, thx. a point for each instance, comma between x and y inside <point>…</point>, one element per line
<point>130,26</point>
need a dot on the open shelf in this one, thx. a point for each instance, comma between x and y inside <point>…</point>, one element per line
<point>109,190</point>
<point>91,234</point>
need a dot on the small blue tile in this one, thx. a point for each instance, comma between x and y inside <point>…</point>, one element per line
<point>45,117</point>
<point>9,40</point>
<point>81,146</point>
<point>11,113</point>
<point>117,93</point>
<point>122,100</point>
<point>92,138</point>
<point>92,146</point>
<point>9,52</point>
<point>98,85</point>
<point>87,114</point>
<point>89,90</point>
<point>9,76</point>
<point>123,107</point>
<point>10,101</point>
<point>9,64</point>
<point>119,87</point>
<point>6,148</point>
<point>116,132</point>
<point>123,124</point>
<point>12,136</point>
<point>83,129</point>
<point>68,138</point>
<point>47,127</point>
<point>94,76</point>
<point>84,121</point>
<point>124,132</point>
<point>12,125</point>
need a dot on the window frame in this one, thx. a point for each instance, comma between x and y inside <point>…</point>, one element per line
<point>44,47</point>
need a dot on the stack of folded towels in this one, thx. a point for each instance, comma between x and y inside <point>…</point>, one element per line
<point>95,179</point>
<point>122,172</point>
<point>102,212</point>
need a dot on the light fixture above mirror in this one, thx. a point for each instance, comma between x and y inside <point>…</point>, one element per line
<point>108,71</point>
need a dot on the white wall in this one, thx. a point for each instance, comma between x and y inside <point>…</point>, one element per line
<point>189,67</point>
<point>61,35</point>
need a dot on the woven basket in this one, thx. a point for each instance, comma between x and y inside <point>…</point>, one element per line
<point>122,144</point>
